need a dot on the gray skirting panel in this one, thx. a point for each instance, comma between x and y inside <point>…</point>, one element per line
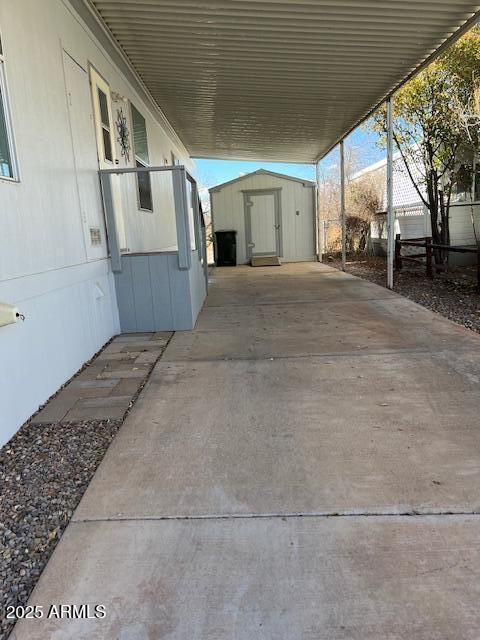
<point>153,294</point>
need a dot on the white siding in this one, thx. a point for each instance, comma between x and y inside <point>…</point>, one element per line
<point>48,269</point>
<point>405,197</point>
<point>415,226</point>
<point>461,227</point>
<point>298,231</point>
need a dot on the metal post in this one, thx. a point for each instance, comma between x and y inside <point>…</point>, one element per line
<point>319,225</point>
<point>390,210</point>
<point>181,216</point>
<point>398,253</point>
<point>478,267</point>
<point>342,204</point>
<point>111,223</point>
<point>428,257</point>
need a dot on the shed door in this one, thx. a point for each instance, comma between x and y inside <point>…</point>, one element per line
<point>262,224</point>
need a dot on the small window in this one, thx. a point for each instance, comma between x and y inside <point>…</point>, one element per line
<point>7,156</point>
<point>105,123</point>
<point>467,181</point>
<point>144,186</point>
<point>140,146</point>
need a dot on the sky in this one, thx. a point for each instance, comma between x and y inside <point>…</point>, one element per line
<point>212,172</point>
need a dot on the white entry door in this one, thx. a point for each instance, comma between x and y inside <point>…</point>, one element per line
<point>107,156</point>
<point>85,159</point>
<point>263,224</point>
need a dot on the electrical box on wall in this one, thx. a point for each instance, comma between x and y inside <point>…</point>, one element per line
<point>8,314</point>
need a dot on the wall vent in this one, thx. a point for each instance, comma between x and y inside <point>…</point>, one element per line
<point>95,236</point>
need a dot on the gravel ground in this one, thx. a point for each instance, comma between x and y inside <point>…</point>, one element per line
<point>44,471</point>
<point>452,294</point>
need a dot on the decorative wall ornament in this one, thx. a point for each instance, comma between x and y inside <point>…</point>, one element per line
<point>123,135</point>
<point>117,97</point>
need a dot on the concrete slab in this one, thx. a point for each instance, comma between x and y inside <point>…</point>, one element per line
<point>105,387</point>
<point>128,386</point>
<point>55,409</point>
<point>91,384</point>
<point>302,392</point>
<point>348,434</point>
<point>134,337</point>
<point>316,328</point>
<point>123,373</point>
<point>118,356</point>
<point>242,579</point>
<point>291,284</point>
<point>98,408</point>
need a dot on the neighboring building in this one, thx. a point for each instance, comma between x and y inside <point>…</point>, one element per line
<point>412,219</point>
<point>70,104</point>
<point>272,214</point>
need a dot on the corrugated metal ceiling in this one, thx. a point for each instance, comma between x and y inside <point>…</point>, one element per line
<point>275,79</point>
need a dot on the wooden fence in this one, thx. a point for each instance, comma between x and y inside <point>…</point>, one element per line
<point>429,247</point>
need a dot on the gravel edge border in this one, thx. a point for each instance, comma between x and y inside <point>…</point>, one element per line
<point>45,470</point>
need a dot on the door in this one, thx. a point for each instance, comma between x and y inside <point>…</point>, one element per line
<point>262,223</point>
<point>84,155</point>
<point>106,148</point>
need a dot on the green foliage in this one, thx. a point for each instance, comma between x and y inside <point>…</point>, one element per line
<point>429,116</point>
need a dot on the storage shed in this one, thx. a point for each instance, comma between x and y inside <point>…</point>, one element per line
<point>272,214</point>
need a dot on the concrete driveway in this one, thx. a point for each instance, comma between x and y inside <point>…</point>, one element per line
<point>305,465</point>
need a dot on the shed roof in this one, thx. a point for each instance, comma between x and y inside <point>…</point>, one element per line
<point>262,172</point>
<point>276,79</point>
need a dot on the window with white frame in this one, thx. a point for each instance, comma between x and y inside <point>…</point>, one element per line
<point>8,168</point>
<point>140,148</point>
<point>467,180</point>
<point>105,125</point>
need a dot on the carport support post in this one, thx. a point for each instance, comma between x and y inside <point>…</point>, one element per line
<point>390,211</point>
<point>319,225</point>
<point>342,204</point>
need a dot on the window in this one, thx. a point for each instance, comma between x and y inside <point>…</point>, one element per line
<point>140,148</point>
<point>105,124</point>
<point>8,168</point>
<point>467,181</point>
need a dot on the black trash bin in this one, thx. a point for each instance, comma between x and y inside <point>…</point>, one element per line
<point>226,248</point>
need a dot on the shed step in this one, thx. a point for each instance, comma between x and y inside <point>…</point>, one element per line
<point>266,261</point>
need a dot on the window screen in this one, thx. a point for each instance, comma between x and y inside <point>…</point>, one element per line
<point>105,123</point>
<point>140,136</point>
<point>7,169</point>
<point>140,146</point>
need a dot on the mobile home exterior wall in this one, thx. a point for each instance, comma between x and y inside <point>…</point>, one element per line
<point>412,217</point>
<point>52,266</point>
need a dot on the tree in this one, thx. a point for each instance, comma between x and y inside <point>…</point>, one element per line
<point>329,196</point>
<point>364,199</point>
<point>427,130</point>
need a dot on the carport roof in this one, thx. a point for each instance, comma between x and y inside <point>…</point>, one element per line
<point>277,80</point>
